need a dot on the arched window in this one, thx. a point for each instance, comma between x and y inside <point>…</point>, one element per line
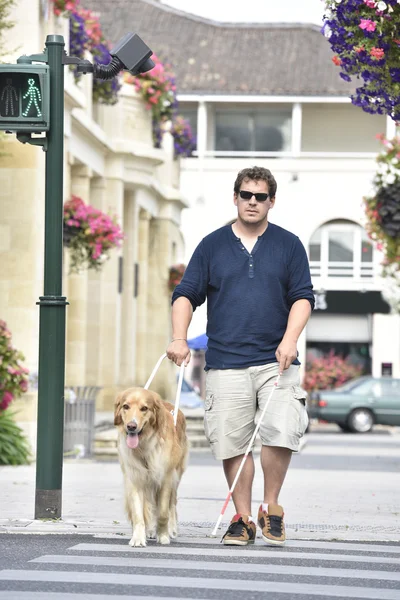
<point>342,249</point>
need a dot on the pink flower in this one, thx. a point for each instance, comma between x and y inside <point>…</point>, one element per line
<point>23,385</point>
<point>378,53</point>
<point>370,3</point>
<point>336,60</point>
<point>6,400</point>
<point>367,25</point>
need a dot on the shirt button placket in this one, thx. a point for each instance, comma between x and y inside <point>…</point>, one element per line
<point>251,269</point>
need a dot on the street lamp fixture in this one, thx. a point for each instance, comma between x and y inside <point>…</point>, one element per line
<point>130,53</point>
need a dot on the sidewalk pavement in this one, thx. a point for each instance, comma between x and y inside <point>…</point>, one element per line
<point>319,503</point>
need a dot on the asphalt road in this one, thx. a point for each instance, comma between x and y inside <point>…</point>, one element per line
<point>65,567</point>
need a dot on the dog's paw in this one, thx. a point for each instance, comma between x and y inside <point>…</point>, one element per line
<point>151,534</point>
<point>137,541</point>
<point>163,538</point>
<point>173,532</point>
<point>138,537</point>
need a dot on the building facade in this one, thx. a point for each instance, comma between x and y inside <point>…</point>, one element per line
<point>118,319</point>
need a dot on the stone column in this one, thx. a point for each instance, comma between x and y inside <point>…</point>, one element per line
<point>77,297</point>
<point>158,309</point>
<point>142,340</point>
<point>98,195</point>
<point>129,289</point>
<point>109,323</point>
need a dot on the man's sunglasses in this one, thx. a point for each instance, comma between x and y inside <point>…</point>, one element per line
<point>260,196</point>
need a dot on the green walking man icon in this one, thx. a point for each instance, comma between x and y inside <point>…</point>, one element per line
<point>34,96</point>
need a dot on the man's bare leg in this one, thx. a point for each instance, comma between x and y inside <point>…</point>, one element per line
<point>242,493</point>
<point>275,462</point>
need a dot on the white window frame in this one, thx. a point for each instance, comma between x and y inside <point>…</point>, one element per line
<point>361,272</point>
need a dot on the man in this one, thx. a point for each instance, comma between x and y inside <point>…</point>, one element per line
<point>256,279</point>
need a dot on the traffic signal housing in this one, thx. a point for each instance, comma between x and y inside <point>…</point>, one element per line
<point>24,98</point>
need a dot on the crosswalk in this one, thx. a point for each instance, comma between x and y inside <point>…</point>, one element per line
<point>106,569</point>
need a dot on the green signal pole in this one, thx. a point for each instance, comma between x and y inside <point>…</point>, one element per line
<point>50,425</point>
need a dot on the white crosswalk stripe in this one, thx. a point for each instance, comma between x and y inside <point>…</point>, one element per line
<point>233,552</point>
<point>301,569</point>
<point>212,566</point>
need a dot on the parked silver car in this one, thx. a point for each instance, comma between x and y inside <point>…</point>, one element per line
<point>359,404</point>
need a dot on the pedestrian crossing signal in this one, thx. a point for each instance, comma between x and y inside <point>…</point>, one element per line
<point>24,98</point>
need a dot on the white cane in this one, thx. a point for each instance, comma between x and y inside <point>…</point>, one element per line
<point>179,388</point>
<point>249,448</point>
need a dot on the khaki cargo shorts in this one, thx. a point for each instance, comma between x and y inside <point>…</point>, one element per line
<point>235,396</point>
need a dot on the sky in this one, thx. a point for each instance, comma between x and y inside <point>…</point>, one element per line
<point>299,11</point>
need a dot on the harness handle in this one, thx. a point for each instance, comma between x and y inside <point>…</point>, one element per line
<point>179,388</point>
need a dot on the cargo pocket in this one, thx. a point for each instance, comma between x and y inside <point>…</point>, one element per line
<point>301,396</point>
<point>210,425</point>
<point>209,401</point>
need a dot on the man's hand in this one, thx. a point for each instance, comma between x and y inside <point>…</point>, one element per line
<point>286,353</point>
<point>178,351</point>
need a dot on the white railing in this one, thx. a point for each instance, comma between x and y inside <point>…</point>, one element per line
<point>354,271</point>
<point>286,154</point>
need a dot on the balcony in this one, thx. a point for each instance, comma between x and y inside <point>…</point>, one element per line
<point>338,275</point>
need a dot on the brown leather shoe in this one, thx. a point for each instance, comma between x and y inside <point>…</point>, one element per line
<point>272,525</point>
<point>240,532</point>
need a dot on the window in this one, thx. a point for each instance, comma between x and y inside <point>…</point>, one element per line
<point>341,249</point>
<point>253,129</point>
<point>391,387</point>
<point>341,246</point>
<point>315,246</point>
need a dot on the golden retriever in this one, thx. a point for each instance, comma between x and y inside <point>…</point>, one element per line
<point>152,453</point>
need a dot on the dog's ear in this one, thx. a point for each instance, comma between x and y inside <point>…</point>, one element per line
<point>117,409</point>
<point>158,401</point>
<point>157,405</point>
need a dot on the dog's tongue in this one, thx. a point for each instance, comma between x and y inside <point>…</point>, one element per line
<point>132,440</point>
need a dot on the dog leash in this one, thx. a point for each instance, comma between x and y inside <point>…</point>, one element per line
<point>179,388</point>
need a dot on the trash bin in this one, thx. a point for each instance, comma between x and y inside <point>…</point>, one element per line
<point>80,406</point>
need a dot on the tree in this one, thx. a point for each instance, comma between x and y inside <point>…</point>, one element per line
<point>5,22</point>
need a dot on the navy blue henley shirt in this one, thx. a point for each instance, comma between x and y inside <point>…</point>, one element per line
<point>249,296</point>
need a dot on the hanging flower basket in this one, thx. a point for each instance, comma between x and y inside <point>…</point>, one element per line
<point>184,142</point>
<point>157,88</point>
<point>383,208</point>
<point>85,34</point>
<point>89,234</point>
<point>365,37</point>
<point>176,273</point>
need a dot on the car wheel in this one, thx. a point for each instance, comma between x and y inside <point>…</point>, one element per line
<point>361,420</point>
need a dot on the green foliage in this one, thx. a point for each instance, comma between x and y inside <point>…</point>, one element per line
<point>5,23</point>
<point>14,448</point>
